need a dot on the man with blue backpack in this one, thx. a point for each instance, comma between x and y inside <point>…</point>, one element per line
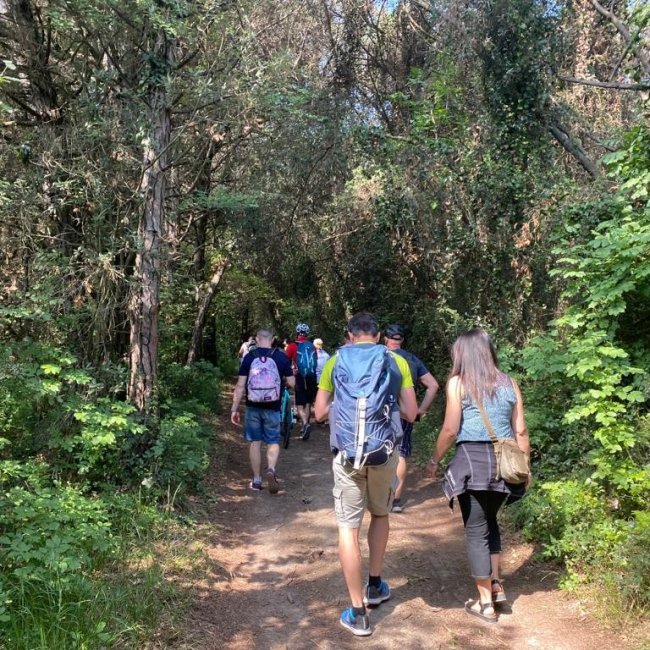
<point>364,389</point>
<point>302,355</point>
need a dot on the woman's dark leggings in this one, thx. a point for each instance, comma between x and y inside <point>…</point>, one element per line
<point>482,536</point>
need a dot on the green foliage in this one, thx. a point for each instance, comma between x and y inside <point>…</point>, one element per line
<point>78,571</point>
<point>179,456</point>
<point>633,560</point>
<point>222,199</point>
<point>49,531</point>
<point>199,382</point>
<point>108,430</point>
<point>588,387</point>
<point>519,37</point>
<point>409,170</point>
<point>585,348</point>
<point>41,384</point>
<point>577,525</point>
<point>561,515</point>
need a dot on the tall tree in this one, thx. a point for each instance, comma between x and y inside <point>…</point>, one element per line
<point>144,305</point>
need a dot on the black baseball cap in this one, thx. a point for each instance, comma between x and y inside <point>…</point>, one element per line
<point>395,331</point>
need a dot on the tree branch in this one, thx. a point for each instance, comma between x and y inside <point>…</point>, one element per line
<point>611,85</point>
<point>562,136</point>
<point>644,61</point>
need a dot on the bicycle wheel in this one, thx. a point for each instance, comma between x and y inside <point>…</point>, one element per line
<point>286,422</point>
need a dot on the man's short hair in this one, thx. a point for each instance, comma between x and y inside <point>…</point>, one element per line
<point>265,334</point>
<point>363,323</point>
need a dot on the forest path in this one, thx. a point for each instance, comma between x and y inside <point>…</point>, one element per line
<point>274,580</point>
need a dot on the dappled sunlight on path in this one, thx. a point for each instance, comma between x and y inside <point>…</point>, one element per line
<point>275,581</point>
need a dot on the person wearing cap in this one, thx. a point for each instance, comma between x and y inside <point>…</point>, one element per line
<point>321,357</point>
<point>306,385</point>
<point>394,336</point>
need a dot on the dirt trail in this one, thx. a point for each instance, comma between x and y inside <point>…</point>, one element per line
<point>275,581</point>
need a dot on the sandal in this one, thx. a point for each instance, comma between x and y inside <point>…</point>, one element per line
<point>480,613</point>
<point>498,594</point>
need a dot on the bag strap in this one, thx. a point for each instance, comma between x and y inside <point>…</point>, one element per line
<point>486,421</point>
<point>362,403</point>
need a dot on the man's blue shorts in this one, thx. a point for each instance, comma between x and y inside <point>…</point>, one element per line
<point>262,425</point>
<point>405,449</point>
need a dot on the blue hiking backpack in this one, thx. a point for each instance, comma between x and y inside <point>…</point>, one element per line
<point>366,420</point>
<point>306,359</point>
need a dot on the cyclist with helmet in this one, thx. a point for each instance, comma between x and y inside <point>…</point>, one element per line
<point>302,355</point>
<point>394,336</point>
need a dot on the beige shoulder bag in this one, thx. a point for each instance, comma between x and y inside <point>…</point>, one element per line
<point>512,462</point>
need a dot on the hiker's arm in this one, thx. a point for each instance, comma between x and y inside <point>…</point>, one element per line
<point>325,393</point>
<point>431,385</point>
<point>518,422</point>
<point>450,426</point>
<point>290,381</point>
<point>521,430</point>
<point>408,404</point>
<point>322,404</point>
<point>237,396</point>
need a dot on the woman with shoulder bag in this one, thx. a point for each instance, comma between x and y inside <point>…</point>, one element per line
<point>484,410</point>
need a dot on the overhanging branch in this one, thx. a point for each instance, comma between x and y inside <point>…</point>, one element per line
<point>610,85</point>
<point>563,137</point>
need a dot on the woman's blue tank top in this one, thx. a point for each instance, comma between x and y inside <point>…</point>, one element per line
<point>499,410</point>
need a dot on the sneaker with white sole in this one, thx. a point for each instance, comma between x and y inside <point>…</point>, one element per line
<point>397,506</point>
<point>358,624</point>
<point>256,486</point>
<point>376,595</point>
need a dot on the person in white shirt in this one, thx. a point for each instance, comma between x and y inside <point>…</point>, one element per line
<point>321,357</point>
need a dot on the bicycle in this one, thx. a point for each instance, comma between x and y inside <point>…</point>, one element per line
<point>286,417</point>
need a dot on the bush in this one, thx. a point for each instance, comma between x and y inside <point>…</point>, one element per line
<point>50,532</point>
<point>577,526</point>
<point>77,571</point>
<point>634,558</point>
<point>179,457</point>
<point>199,382</point>
<point>41,385</point>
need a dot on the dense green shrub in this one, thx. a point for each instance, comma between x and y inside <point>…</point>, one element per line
<point>179,457</point>
<point>199,382</point>
<point>587,394</point>
<point>72,574</point>
<point>49,530</point>
<point>40,386</point>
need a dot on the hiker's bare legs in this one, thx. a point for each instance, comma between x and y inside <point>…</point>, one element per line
<point>255,455</point>
<point>304,413</point>
<point>377,541</point>
<point>494,562</point>
<point>484,587</point>
<point>402,469</point>
<point>272,454</point>
<point>350,557</point>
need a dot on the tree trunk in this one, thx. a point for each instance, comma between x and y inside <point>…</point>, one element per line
<point>199,322</point>
<point>144,304</point>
